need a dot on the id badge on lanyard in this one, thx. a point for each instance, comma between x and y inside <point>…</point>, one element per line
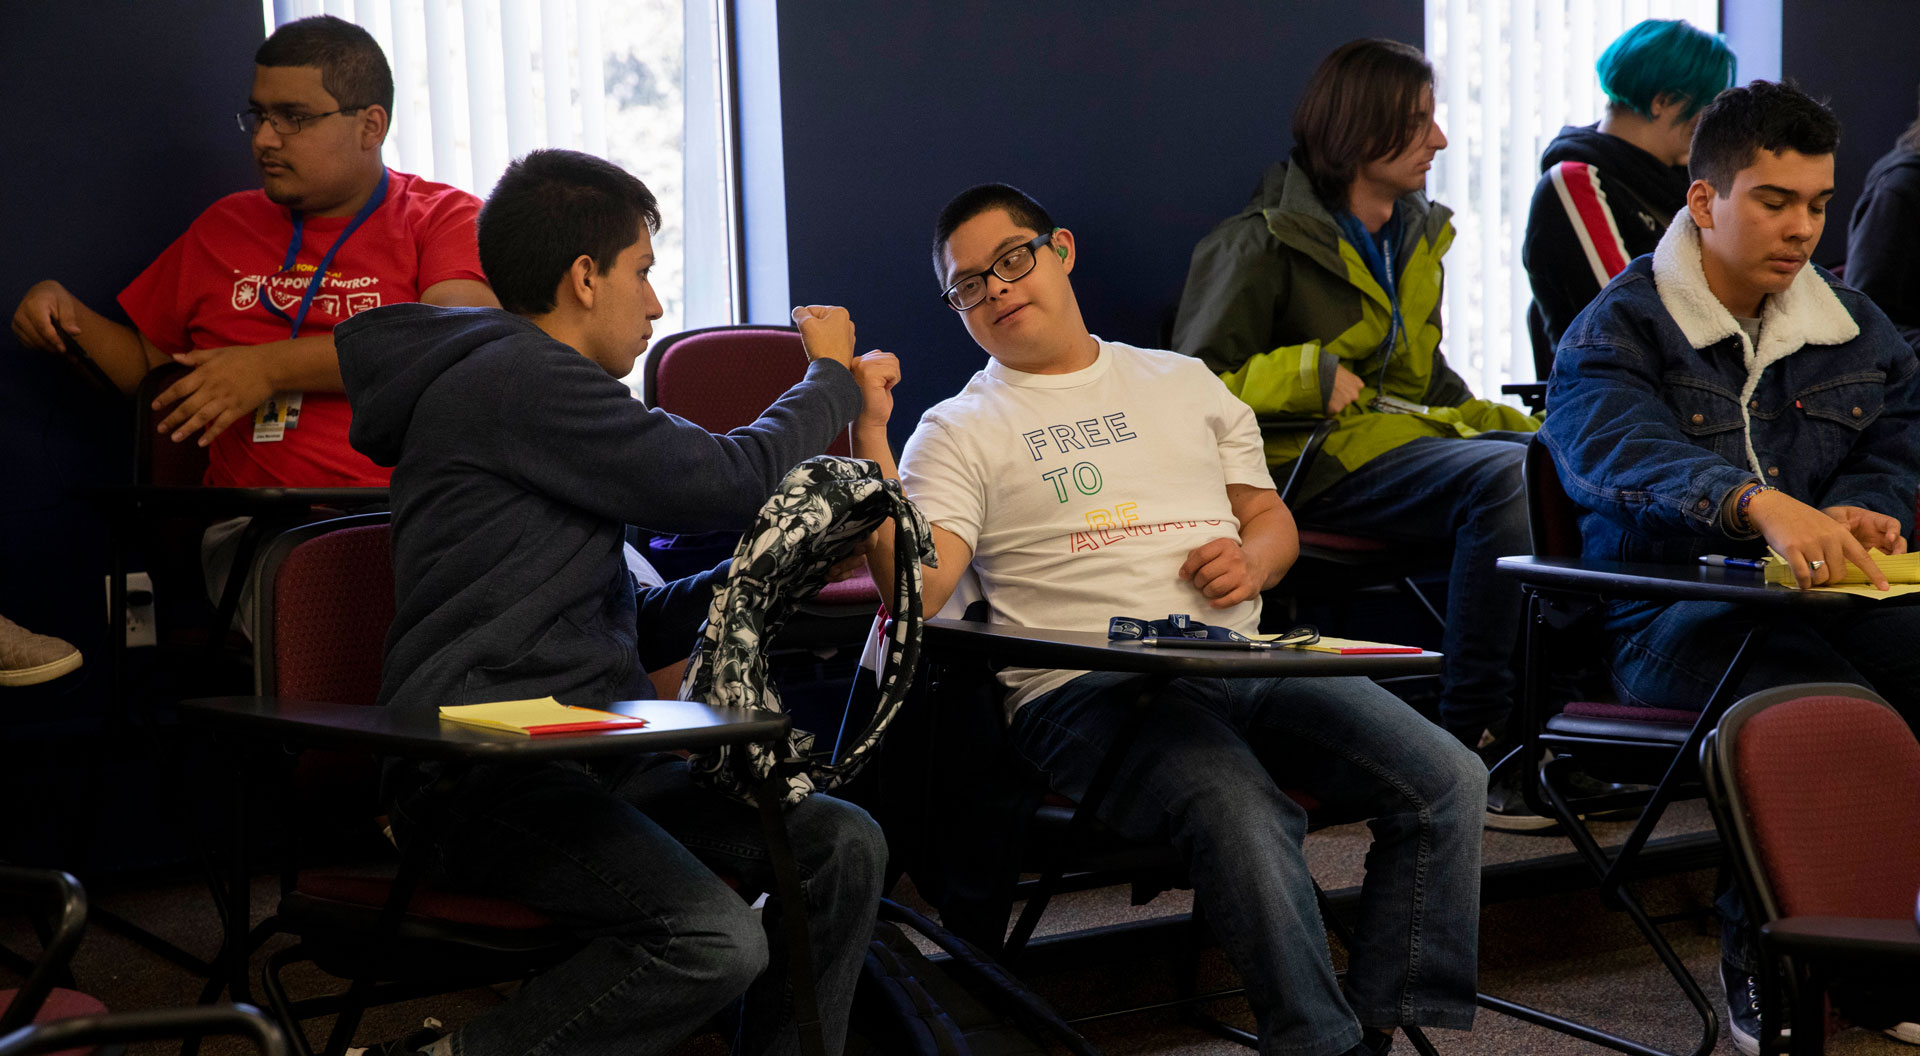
<point>272,419</point>
<point>281,412</point>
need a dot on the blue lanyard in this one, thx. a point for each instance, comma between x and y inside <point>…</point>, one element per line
<point>1397,326</point>
<point>293,254</point>
<point>1379,258</point>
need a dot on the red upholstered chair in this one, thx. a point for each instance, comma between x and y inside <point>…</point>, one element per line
<point>42,1017</point>
<point>721,378</point>
<point>1817,791</point>
<point>325,607</point>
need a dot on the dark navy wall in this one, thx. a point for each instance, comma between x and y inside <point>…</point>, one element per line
<point>119,130</point>
<point>1139,125</point>
<point>1859,56</point>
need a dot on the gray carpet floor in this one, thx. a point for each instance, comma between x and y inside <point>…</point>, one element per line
<point>1563,952</point>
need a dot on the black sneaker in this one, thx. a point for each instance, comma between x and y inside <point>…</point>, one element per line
<point>1743,1009</point>
<point>1507,809</point>
<point>1372,1043</point>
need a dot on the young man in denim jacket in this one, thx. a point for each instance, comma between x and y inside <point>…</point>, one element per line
<point>1721,395</point>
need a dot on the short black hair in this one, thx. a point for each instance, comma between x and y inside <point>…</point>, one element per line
<point>978,199</point>
<point>1764,115</point>
<point>353,69</point>
<point>549,208</point>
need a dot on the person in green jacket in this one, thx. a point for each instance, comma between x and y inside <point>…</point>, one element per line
<point>1321,299</point>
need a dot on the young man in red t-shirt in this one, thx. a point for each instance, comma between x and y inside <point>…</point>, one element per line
<point>237,298</point>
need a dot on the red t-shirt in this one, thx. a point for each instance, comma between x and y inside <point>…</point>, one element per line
<point>205,290</point>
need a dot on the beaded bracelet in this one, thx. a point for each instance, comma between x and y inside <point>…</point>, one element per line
<point>1740,505</point>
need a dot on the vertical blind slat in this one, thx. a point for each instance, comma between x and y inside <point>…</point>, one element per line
<point>516,49</point>
<point>554,41</point>
<point>1523,152</point>
<point>1483,352</point>
<point>1459,310</point>
<point>593,78</point>
<point>480,22</point>
<point>440,91</point>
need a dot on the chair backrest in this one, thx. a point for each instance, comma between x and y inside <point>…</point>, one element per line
<point>1552,518</point>
<point>325,604</point>
<point>1820,784</point>
<point>1542,343</point>
<point>156,459</point>
<point>723,377</point>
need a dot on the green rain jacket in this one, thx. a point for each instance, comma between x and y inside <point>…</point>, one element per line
<point>1276,299</point>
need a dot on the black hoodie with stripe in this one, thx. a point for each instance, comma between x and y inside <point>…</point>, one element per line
<point>1600,202</point>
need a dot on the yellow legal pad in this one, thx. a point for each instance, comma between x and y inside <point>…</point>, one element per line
<point>1345,646</point>
<point>1902,572</point>
<point>535,718</point>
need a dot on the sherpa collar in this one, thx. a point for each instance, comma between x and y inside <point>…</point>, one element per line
<point>1806,313</point>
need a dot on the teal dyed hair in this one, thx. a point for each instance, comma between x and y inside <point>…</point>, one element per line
<point>1661,57</point>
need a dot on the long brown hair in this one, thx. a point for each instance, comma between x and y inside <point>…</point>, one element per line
<point>1359,107</point>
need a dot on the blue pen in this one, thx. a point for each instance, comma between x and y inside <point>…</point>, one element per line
<point>1731,562</point>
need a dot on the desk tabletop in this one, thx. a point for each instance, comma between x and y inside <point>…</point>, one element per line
<point>1091,651</point>
<point>1639,580</point>
<point>195,499</point>
<point>419,734</point>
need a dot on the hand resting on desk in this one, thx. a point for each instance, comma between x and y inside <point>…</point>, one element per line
<point>1802,535</point>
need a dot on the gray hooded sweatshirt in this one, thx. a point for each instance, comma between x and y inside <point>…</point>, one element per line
<point>517,462</point>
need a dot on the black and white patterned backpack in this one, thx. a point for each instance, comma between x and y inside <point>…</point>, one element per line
<point>820,512</point>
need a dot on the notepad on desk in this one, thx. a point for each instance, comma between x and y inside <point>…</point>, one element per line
<point>537,718</point>
<point>1347,646</point>
<point>1902,572</point>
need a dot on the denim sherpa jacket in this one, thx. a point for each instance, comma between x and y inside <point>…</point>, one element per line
<point>1659,406</point>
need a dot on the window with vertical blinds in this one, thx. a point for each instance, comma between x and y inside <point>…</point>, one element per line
<point>480,82</point>
<point>1510,74</point>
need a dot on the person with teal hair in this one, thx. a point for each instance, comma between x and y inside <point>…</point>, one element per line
<point>1608,190</point>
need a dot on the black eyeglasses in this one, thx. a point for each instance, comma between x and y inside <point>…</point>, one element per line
<point>1012,266</point>
<point>283,123</point>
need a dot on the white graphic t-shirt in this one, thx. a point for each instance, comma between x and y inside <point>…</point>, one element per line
<point>1081,494</point>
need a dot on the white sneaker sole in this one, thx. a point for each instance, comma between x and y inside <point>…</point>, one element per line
<point>27,676</point>
<point>1518,822</point>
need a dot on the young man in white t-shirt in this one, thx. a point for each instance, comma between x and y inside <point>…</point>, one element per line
<point>1083,479</point>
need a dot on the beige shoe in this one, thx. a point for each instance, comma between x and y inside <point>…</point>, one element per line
<point>27,658</point>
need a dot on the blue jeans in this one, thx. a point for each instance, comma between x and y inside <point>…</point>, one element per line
<point>1469,492</point>
<point>1671,655</point>
<point>1206,773</point>
<point>626,857</point>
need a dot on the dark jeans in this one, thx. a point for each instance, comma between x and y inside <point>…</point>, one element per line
<point>1672,655</point>
<point>1469,492</point>
<point>627,858</point>
<point>1207,773</point>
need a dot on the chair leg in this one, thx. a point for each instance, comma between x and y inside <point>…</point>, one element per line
<point>1809,1020</point>
<point>1614,873</point>
<point>1189,986</point>
<point>348,1020</point>
<point>1083,816</point>
<point>1413,590</point>
<point>276,995</point>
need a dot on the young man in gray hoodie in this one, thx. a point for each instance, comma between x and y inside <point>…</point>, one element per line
<point>518,458</point>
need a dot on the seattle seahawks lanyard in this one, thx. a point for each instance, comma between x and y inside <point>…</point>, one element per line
<point>293,254</point>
